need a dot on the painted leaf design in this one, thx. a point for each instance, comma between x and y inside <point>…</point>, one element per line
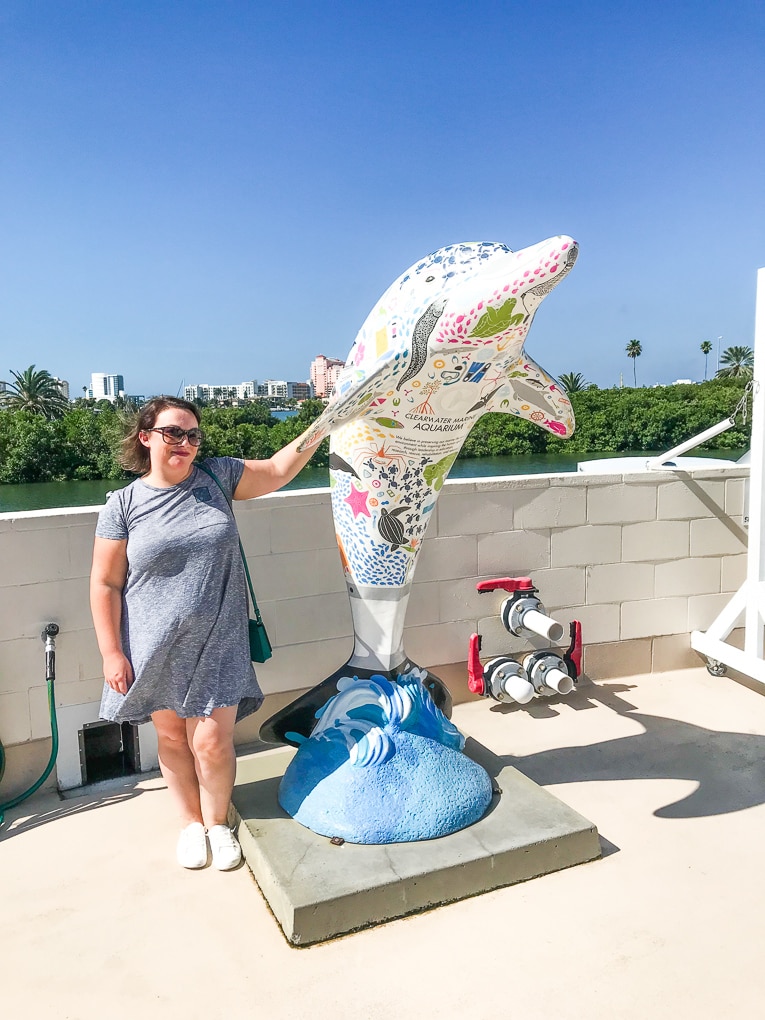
<point>495,320</point>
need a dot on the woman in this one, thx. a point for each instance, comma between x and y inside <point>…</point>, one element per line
<point>170,612</point>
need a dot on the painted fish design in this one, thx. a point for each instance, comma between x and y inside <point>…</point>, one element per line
<point>443,346</point>
<point>420,336</point>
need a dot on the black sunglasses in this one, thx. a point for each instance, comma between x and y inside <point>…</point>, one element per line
<point>174,436</point>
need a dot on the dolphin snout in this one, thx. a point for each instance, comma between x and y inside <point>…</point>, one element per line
<point>561,250</point>
<point>571,255</point>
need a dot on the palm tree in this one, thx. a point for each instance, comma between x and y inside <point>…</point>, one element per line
<point>634,349</point>
<point>35,391</point>
<point>574,382</point>
<point>706,350</point>
<point>737,362</point>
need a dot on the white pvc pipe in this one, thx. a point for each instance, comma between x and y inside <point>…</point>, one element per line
<point>543,625</point>
<point>559,681</point>
<point>658,462</point>
<point>518,689</point>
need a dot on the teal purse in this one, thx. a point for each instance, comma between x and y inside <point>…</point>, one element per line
<point>260,645</point>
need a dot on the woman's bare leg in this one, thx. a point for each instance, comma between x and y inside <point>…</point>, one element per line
<point>212,743</point>
<point>176,762</point>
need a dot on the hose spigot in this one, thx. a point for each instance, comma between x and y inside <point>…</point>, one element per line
<point>50,630</point>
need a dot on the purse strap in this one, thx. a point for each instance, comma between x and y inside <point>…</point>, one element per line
<point>209,471</point>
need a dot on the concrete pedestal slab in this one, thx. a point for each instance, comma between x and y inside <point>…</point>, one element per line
<point>317,890</point>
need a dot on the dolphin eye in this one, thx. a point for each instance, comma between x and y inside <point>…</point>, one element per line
<point>429,279</point>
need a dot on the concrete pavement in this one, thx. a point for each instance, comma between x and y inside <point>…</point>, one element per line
<point>98,920</point>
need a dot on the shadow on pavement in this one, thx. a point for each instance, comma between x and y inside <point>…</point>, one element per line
<point>729,767</point>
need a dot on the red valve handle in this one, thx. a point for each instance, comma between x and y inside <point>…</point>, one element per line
<point>475,669</point>
<point>573,655</point>
<point>509,584</point>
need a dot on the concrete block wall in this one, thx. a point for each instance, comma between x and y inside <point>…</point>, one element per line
<point>640,560</point>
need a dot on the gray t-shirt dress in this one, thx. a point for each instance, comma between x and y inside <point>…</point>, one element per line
<point>184,604</point>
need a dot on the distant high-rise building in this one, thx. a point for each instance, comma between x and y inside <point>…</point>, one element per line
<point>106,387</point>
<point>324,373</point>
<point>281,389</point>
<point>302,390</point>
<point>63,385</point>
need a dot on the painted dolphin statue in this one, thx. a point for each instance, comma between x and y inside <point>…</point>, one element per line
<point>443,346</point>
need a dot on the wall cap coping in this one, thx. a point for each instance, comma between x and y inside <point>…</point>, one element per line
<point>306,497</point>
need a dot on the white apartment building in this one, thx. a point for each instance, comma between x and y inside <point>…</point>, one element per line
<point>279,389</point>
<point>228,391</point>
<point>324,373</point>
<point>106,387</point>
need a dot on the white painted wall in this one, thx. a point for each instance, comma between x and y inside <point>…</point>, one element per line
<point>640,560</point>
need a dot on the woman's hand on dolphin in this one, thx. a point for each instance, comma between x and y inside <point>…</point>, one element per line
<point>262,476</point>
<point>118,672</point>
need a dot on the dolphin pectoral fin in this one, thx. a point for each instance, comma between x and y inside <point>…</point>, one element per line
<point>295,721</point>
<point>532,393</point>
<point>354,392</point>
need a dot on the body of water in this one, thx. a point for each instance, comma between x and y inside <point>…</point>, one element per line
<point>49,495</point>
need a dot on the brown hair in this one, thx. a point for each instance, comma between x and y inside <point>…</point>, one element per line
<point>133,455</point>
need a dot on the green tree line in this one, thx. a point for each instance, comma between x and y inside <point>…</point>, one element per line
<point>82,444</point>
<point>621,420</point>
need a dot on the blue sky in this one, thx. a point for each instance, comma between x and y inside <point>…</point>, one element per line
<point>216,191</point>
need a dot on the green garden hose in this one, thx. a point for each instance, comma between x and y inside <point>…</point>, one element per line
<point>48,636</point>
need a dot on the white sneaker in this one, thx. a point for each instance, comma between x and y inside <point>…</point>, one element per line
<point>192,846</point>
<point>226,852</point>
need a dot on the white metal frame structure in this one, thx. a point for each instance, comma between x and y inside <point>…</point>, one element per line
<point>749,600</point>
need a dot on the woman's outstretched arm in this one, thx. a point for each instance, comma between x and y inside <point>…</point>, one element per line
<point>263,476</point>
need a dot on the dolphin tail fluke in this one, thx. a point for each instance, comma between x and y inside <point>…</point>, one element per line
<point>293,723</point>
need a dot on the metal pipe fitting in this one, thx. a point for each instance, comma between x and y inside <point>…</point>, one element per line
<point>506,680</point>
<point>525,612</point>
<point>548,674</point>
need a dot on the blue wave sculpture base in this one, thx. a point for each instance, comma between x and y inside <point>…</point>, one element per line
<point>384,765</point>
